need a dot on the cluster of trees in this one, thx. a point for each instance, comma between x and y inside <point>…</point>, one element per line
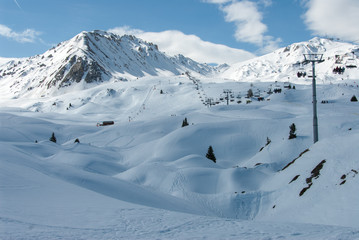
<point>53,139</point>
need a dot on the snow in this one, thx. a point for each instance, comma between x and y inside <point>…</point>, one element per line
<point>146,177</point>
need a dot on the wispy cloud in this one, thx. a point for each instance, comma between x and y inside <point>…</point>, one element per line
<point>17,4</point>
<point>175,42</point>
<point>27,36</point>
<point>333,18</point>
<point>266,3</point>
<point>248,21</point>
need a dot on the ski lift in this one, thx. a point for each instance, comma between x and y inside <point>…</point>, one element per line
<point>350,63</point>
<point>310,73</point>
<point>257,94</point>
<point>287,85</point>
<point>301,72</point>
<point>338,69</point>
<point>338,59</point>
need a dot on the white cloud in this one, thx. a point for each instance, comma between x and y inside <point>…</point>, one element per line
<point>335,18</point>
<point>271,45</point>
<point>174,42</point>
<point>126,30</point>
<point>249,22</point>
<point>29,35</point>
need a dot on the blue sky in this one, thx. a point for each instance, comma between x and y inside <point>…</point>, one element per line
<point>255,27</point>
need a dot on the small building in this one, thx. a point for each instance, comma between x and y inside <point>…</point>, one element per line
<point>106,123</point>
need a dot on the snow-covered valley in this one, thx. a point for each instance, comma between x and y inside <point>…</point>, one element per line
<point>147,177</point>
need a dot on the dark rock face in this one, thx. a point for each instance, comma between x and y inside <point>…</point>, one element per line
<point>76,72</point>
<point>78,69</point>
<point>94,73</point>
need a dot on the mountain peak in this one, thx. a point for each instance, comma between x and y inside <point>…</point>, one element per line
<point>93,57</point>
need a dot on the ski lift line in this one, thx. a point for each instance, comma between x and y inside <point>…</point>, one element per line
<point>143,105</point>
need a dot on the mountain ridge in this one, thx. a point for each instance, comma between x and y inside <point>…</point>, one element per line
<point>99,56</point>
<point>94,57</point>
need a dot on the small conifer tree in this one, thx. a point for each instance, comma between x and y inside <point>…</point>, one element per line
<point>250,93</point>
<point>210,154</point>
<point>77,140</point>
<point>185,122</point>
<point>354,99</point>
<point>53,138</point>
<point>292,133</point>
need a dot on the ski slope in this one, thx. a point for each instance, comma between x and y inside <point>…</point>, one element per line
<point>146,177</point>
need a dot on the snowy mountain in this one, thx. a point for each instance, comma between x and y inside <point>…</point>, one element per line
<point>286,62</point>
<point>147,177</point>
<point>98,56</point>
<point>93,57</point>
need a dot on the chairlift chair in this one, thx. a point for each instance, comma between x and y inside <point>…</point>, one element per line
<point>286,85</point>
<point>301,72</point>
<point>351,63</point>
<point>338,69</point>
<point>310,74</point>
<point>338,59</point>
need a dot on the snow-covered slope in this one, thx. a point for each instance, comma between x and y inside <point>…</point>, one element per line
<point>146,176</point>
<point>285,63</point>
<point>146,164</point>
<point>92,57</point>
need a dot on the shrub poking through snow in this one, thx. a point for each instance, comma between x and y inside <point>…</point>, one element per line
<point>210,154</point>
<point>53,138</point>
<point>77,140</point>
<point>292,133</point>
